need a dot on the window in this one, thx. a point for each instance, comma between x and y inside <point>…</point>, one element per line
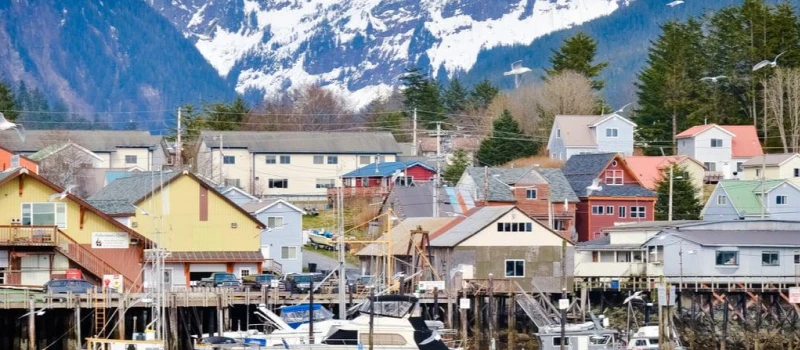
<point>622,212</point>
<point>326,183</point>
<point>796,172</point>
<point>229,159</point>
<point>614,177</point>
<point>797,258</point>
<point>130,159</point>
<point>716,143</point>
<point>286,159</point>
<point>610,210</point>
<point>232,182</point>
<point>319,159</point>
<point>333,159</point>
<point>531,193</point>
<point>558,133</point>
<point>612,132</point>
<point>638,212</point>
<point>656,253</point>
<point>45,214</point>
<point>274,221</point>
<point>271,159</point>
<point>739,167</point>
<point>727,258</point>
<point>515,268</point>
<point>559,225</point>
<point>514,227</point>
<point>404,181</point>
<point>278,183</point>
<point>711,166</point>
<point>781,200</point>
<point>363,160</point>
<point>623,256</point>
<point>382,339</point>
<point>770,258</point>
<point>289,253</point>
<point>364,182</point>
<point>557,341</point>
<point>722,200</point>
<point>597,210</point>
<point>244,273</point>
<point>758,172</point>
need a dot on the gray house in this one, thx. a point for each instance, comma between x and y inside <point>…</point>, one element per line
<point>237,195</point>
<point>575,134</point>
<point>282,240</point>
<point>755,252</point>
<point>741,200</point>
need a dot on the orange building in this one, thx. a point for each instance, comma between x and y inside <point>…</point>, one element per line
<point>10,160</point>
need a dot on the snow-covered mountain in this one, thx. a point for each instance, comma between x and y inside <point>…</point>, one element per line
<point>359,47</point>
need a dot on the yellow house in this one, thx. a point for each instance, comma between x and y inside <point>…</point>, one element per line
<point>776,166</point>
<point>203,230</point>
<point>44,232</point>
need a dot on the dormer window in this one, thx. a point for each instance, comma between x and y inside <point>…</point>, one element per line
<point>614,177</point>
<point>716,143</point>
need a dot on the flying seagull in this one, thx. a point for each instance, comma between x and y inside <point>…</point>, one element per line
<point>595,186</point>
<point>636,296</point>
<point>622,109</point>
<point>713,79</point>
<point>675,3</point>
<point>765,63</point>
<point>62,195</point>
<point>516,70</point>
<point>7,125</point>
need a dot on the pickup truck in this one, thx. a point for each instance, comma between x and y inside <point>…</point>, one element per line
<point>220,279</point>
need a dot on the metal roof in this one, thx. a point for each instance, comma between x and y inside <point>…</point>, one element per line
<point>770,159</point>
<point>304,141</point>
<point>476,220</point>
<point>384,169</point>
<point>130,189</point>
<point>227,256</point>
<point>754,238</point>
<point>93,140</point>
<point>417,201</point>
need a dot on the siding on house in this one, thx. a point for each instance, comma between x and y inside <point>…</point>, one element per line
<point>290,235</point>
<point>623,143</point>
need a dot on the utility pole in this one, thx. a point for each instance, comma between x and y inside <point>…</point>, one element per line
<point>178,144</point>
<point>669,212</point>
<point>221,161</point>
<point>763,169</point>
<point>414,136</point>
<point>340,224</point>
<point>438,170</point>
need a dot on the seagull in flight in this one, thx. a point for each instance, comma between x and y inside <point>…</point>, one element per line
<point>764,63</point>
<point>713,79</point>
<point>595,186</point>
<point>7,125</point>
<point>62,195</point>
<point>516,70</point>
<point>622,109</point>
<point>636,296</point>
<point>675,3</point>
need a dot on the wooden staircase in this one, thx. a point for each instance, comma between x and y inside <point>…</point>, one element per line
<point>87,260</point>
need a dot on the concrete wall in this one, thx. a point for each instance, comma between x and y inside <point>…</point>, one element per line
<point>623,143</point>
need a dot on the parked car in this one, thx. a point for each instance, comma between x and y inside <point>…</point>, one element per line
<point>64,286</point>
<point>259,281</point>
<point>220,279</point>
<point>301,282</point>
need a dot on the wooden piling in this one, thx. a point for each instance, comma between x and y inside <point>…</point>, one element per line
<point>478,314</point>
<point>31,324</point>
<point>173,324</point>
<point>220,319</point>
<point>449,309</point>
<point>463,314</point>
<point>511,309</point>
<point>121,317</point>
<point>491,314</point>
<point>724,340</point>
<point>78,339</point>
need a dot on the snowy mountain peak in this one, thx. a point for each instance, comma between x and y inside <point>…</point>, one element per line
<point>359,47</point>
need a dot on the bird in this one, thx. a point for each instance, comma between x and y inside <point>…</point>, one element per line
<point>765,63</point>
<point>713,79</point>
<point>7,125</point>
<point>516,70</point>
<point>595,186</point>
<point>636,296</point>
<point>622,109</point>
<point>62,194</point>
<point>675,3</point>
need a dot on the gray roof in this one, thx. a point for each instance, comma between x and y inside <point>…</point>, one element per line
<point>417,201</point>
<point>476,221</point>
<point>304,141</point>
<point>769,159</point>
<point>401,235</point>
<point>655,225</point>
<point>93,140</point>
<point>581,169</point>
<point>113,206</point>
<point>755,238</point>
<point>498,192</point>
<point>559,186</point>
<point>129,190</point>
<point>604,243</point>
<point>254,206</point>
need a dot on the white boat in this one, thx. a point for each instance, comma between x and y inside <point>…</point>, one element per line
<point>647,338</point>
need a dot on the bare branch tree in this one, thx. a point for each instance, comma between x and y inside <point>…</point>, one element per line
<point>775,94</point>
<point>793,108</point>
<point>68,164</point>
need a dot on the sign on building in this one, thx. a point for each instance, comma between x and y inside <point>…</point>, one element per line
<point>113,283</point>
<point>794,295</point>
<point>563,304</point>
<point>663,299</point>
<point>429,285</point>
<point>464,303</point>
<point>110,240</point>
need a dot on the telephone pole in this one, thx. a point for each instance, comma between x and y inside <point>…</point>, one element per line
<point>414,136</point>
<point>438,170</point>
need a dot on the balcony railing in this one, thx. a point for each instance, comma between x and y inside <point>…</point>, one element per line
<point>84,257</point>
<point>17,235</point>
<point>272,266</point>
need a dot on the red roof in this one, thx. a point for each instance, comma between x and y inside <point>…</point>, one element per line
<point>745,144</point>
<point>691,132</point>
<point>648,169</point>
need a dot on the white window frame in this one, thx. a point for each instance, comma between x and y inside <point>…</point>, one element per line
<point>609,210</point>
<point>558,133</point>
<point>135,159</point>
<point>270,159</point>
<point>326,183</point>
<point>797,257</point>
<point>771,252</point>
<point>505,265</point>
<point>242,270</point>
<point>286,157</point>
<point>612,132</point>
<point>638,211</point>
<point>717,143</point>
<point>274,221</point>
<point>225,158</point>
<point>535,192</point>
<point>237,181</point>
<point>364,182</point>
<point>614,177</point>
<point>362,162</point>
<point>404,181</point>
<point>168,271</point>
<point>597,209</point>
<point>722,200</point>
<point>785,200</point>
<point>271,183</point>
<point>319,159</point>
<point>335,160</point>
<point>796,172</point>
<point>56,219</point>
<point>296,252</point>
<point>622,212</point>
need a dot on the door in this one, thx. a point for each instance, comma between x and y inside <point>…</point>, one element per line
<point>35,270</point>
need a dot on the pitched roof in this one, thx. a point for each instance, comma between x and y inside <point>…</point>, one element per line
<point>699,129</point>
<point>464,227</point>
<point>753,238</point>
<point>415,201</point>
<point>223,256</point>
<point>500,179</point>
<point>648,168</point>
<point>468,144</point>
<point>55,148</point>
<point>304,141</point>
<point>227,189</point>
<point>581,169</point>
<point>384,169</point>
<point>575,130</point>
<point>93,140</point>
<point>560,189</point>
<point>401,235</point>
<point>744,195</point>
<point>769,159</point>
<point>745,144</point>
<point>260,205</point>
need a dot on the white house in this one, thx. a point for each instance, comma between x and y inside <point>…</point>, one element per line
<point>723,149</point>
<point>575,134</point>
<point>287,163</point>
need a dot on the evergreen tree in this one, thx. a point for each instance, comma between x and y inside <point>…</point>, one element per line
<point>423,94</point>
<point>483,94</point>
<point>7,105</point>
<point>671,97</point>
<point>506,143</point>
<point>577,54</point>
<point>222,116</point>
<point>454,170</point>
<point>685,204</point>
<point>192,123</point>
<point>455,98</point>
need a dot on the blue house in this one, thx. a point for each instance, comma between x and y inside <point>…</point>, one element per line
<point>741,200</point>
<point>237,195</point>
<point>282,240</point>
<point>576,134</point>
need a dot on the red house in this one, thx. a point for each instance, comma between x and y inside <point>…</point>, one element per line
<point>9,159</point>
<point>389,174</point>
<point>609,193</point>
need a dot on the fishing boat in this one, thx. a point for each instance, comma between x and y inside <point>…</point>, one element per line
<point>583,336</point>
